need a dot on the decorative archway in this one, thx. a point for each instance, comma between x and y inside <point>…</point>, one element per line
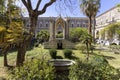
<point>59,27</point>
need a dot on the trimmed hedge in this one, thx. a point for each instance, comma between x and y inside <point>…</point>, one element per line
<point>67,53</point>
<point>53,53</point>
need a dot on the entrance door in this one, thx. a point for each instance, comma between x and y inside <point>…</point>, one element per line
<point>59,44</point>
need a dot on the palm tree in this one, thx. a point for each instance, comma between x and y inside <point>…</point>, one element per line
<point>90,9</point>
<point>96,7</point>
<point>86,38</point>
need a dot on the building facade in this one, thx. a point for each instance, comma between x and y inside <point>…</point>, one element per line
<point>108,17</point>
<point>43,23</point>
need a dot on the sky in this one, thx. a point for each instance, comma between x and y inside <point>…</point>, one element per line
<point>54,11</point>
<point>105,5</point>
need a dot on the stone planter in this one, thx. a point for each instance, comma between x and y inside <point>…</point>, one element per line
<point>61,64</point>
<point>62,68</point>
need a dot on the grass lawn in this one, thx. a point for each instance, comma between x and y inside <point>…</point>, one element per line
<point>113,59</point>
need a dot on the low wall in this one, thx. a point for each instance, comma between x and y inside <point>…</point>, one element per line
<point>53,44</point>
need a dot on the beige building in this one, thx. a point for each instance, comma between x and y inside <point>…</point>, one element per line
<point>106,18</point>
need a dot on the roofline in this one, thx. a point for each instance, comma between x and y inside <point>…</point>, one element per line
<point>62,17</point>
<point>106,11</point>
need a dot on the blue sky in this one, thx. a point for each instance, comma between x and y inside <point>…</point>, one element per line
<point>105,5</point>
<point>53,12</point>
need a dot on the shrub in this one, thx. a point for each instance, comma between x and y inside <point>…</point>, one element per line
<point>92,48</point>
<point>53,53</point>
<point>97,69</point>
<point>76,33</point>
<point>43,36</point>
<point>81,47</point>
<point>34,69</point>
<point>60,35</point>
<point>67,53</point>
<point>36,44</point>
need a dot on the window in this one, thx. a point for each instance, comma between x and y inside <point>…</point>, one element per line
<point>40,24</point>
<point>72,25</point>
<point>46,25</point>
<point>113,19</point>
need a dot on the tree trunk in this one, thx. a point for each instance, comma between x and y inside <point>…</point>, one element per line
<point>33,20</point>
<point>94,22</point>
<point>5,59</point>
<point>90,25</point>
<point>87,51</point>
<point>21,53</point>
<point>5,56</point>
<point>23,47</point>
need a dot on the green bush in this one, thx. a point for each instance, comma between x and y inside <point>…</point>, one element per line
<point>76,33</point>
<point>81,47</point>
<point>60,35</point>
<point>43,36</point>
<point>36,44</point>
<point>34,69</point>
<point>67,53</point>
<point>97,69</point>
<point>53,53</point>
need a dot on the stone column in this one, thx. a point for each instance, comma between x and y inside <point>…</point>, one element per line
<point>67,29</point>
<point>51,30</point>
<point>64,33</point>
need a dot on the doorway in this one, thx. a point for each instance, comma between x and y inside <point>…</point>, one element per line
<point>59,44</point>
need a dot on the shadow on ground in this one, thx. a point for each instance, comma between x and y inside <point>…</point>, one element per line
<point>109,57</point>
<point>2,78</point>
<point>74,57</point>
<point>106,57</point>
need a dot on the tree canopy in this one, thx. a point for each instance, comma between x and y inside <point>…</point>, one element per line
<point>90,9</point>
<point>111,30</point>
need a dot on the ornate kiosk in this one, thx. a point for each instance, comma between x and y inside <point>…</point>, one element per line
<point>59,34</point>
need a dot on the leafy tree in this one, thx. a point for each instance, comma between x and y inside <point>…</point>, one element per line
<point>90,8</point>
<point>11,36</point>
<point>33,16</point>
<point>118,32</point>
<point>43,36</point>
<point>87,39</point>
<point>59,35</point>
<point>102,33</point>
<point>76,33</point>
<point>111,30</point>
<point>34,11</point>
<point>10,29</point>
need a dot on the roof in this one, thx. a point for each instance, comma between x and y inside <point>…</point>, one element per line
<point>107,11</point>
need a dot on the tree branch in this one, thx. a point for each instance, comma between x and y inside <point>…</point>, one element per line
<point>38,4</point>
<point>29,4</point>
<point>26,5</point>
<point>45,7</point>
